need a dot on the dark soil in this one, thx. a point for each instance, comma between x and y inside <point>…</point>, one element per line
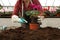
<point>25,34</point>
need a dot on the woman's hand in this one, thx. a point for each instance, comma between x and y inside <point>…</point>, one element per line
<point>15,18</point>
<point>40,18</point>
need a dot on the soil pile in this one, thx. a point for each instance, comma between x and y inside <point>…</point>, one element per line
<point>25,34</point>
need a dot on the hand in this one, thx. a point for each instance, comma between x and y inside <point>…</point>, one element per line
<point>40,18</point>
<point>15,18</point>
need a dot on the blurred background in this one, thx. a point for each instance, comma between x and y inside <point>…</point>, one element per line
<point>51,8</point>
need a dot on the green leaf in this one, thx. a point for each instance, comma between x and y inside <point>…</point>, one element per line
<point>32,12</point>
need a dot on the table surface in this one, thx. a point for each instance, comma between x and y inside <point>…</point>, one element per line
<point>45,22</point>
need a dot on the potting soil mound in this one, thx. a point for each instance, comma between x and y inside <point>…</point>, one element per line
<point>25,34</point>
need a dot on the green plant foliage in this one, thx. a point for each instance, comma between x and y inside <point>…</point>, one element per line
<point>1,7</point>
<point>32,13</point>
<point>58,11</point>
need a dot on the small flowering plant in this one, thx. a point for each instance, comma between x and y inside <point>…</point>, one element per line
<point>33,15</point>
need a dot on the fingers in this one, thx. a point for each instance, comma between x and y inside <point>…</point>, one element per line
<point>40,18</point>
<point>15,18</point>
